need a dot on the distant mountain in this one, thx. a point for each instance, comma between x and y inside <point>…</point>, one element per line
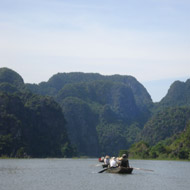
<point>58,81</point>
<point>30,125</point>
<point>84,103</point>
<point>178,95</point>
<point>94,104</point>
<point>170,116</point>
<point>166,133</point>
<point>92,115</point>
<point>10,77</point>
<point>10,81</point>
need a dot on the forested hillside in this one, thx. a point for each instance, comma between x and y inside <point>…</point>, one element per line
<point>175,147</point>
<point>120,109</point>
<point>104,113</point>
<point>165,123</point>
<point>166,134</point>
<point>178,95</point>
<point>91,115</point>
<point>30,125</point>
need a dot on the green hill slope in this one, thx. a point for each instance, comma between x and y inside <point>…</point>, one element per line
<point>30,125</point>
<point>165,124</point>
<point>99,110</point>
<point>102,115</point>
<point>178,95</point>
<point>175,147</point>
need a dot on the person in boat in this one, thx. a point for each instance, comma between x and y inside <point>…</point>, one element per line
<point>124,162</point>
<point>113,162</point>
<point>107,160</point>
<point>101,159</point>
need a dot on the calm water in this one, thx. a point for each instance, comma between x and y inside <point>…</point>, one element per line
<point>82,174</point>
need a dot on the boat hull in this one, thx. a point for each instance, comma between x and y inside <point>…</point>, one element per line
<point>120,170</point>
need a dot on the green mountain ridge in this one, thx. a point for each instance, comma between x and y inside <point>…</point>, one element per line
<point>30,125</point>
<point>126,99</point>
<point>166,134</point>
<point>178,95</point>
<point>90,113</point>
<point>11,77</point>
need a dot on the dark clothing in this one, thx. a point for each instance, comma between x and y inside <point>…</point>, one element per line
<point>124,163</point>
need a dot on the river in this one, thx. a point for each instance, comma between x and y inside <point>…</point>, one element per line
<point>82,174</point>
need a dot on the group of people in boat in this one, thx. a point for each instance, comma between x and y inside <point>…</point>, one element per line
<point>115,162</point>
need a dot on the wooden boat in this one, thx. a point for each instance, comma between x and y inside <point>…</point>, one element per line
<point>120,170</point>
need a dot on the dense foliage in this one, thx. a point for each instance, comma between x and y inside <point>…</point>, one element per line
<point>103,113</point>
<point>81,126</point>
<point>100,114</point>
<point>165,124</point>
<point>175,147</point>
<point>30,125</point>
<point>167,132</point>
<point>178,95</point>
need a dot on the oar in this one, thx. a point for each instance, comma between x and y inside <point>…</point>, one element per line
<point>102,170</point>
<point>143,169</point>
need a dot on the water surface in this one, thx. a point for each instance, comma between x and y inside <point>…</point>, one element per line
<point>82,174</point>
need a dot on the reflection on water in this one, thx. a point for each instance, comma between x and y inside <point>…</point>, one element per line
<point>82,174</point>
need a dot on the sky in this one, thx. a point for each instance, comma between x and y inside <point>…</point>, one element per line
<point>147,39</point>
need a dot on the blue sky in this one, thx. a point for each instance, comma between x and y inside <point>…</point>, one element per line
<point>147,39</point>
